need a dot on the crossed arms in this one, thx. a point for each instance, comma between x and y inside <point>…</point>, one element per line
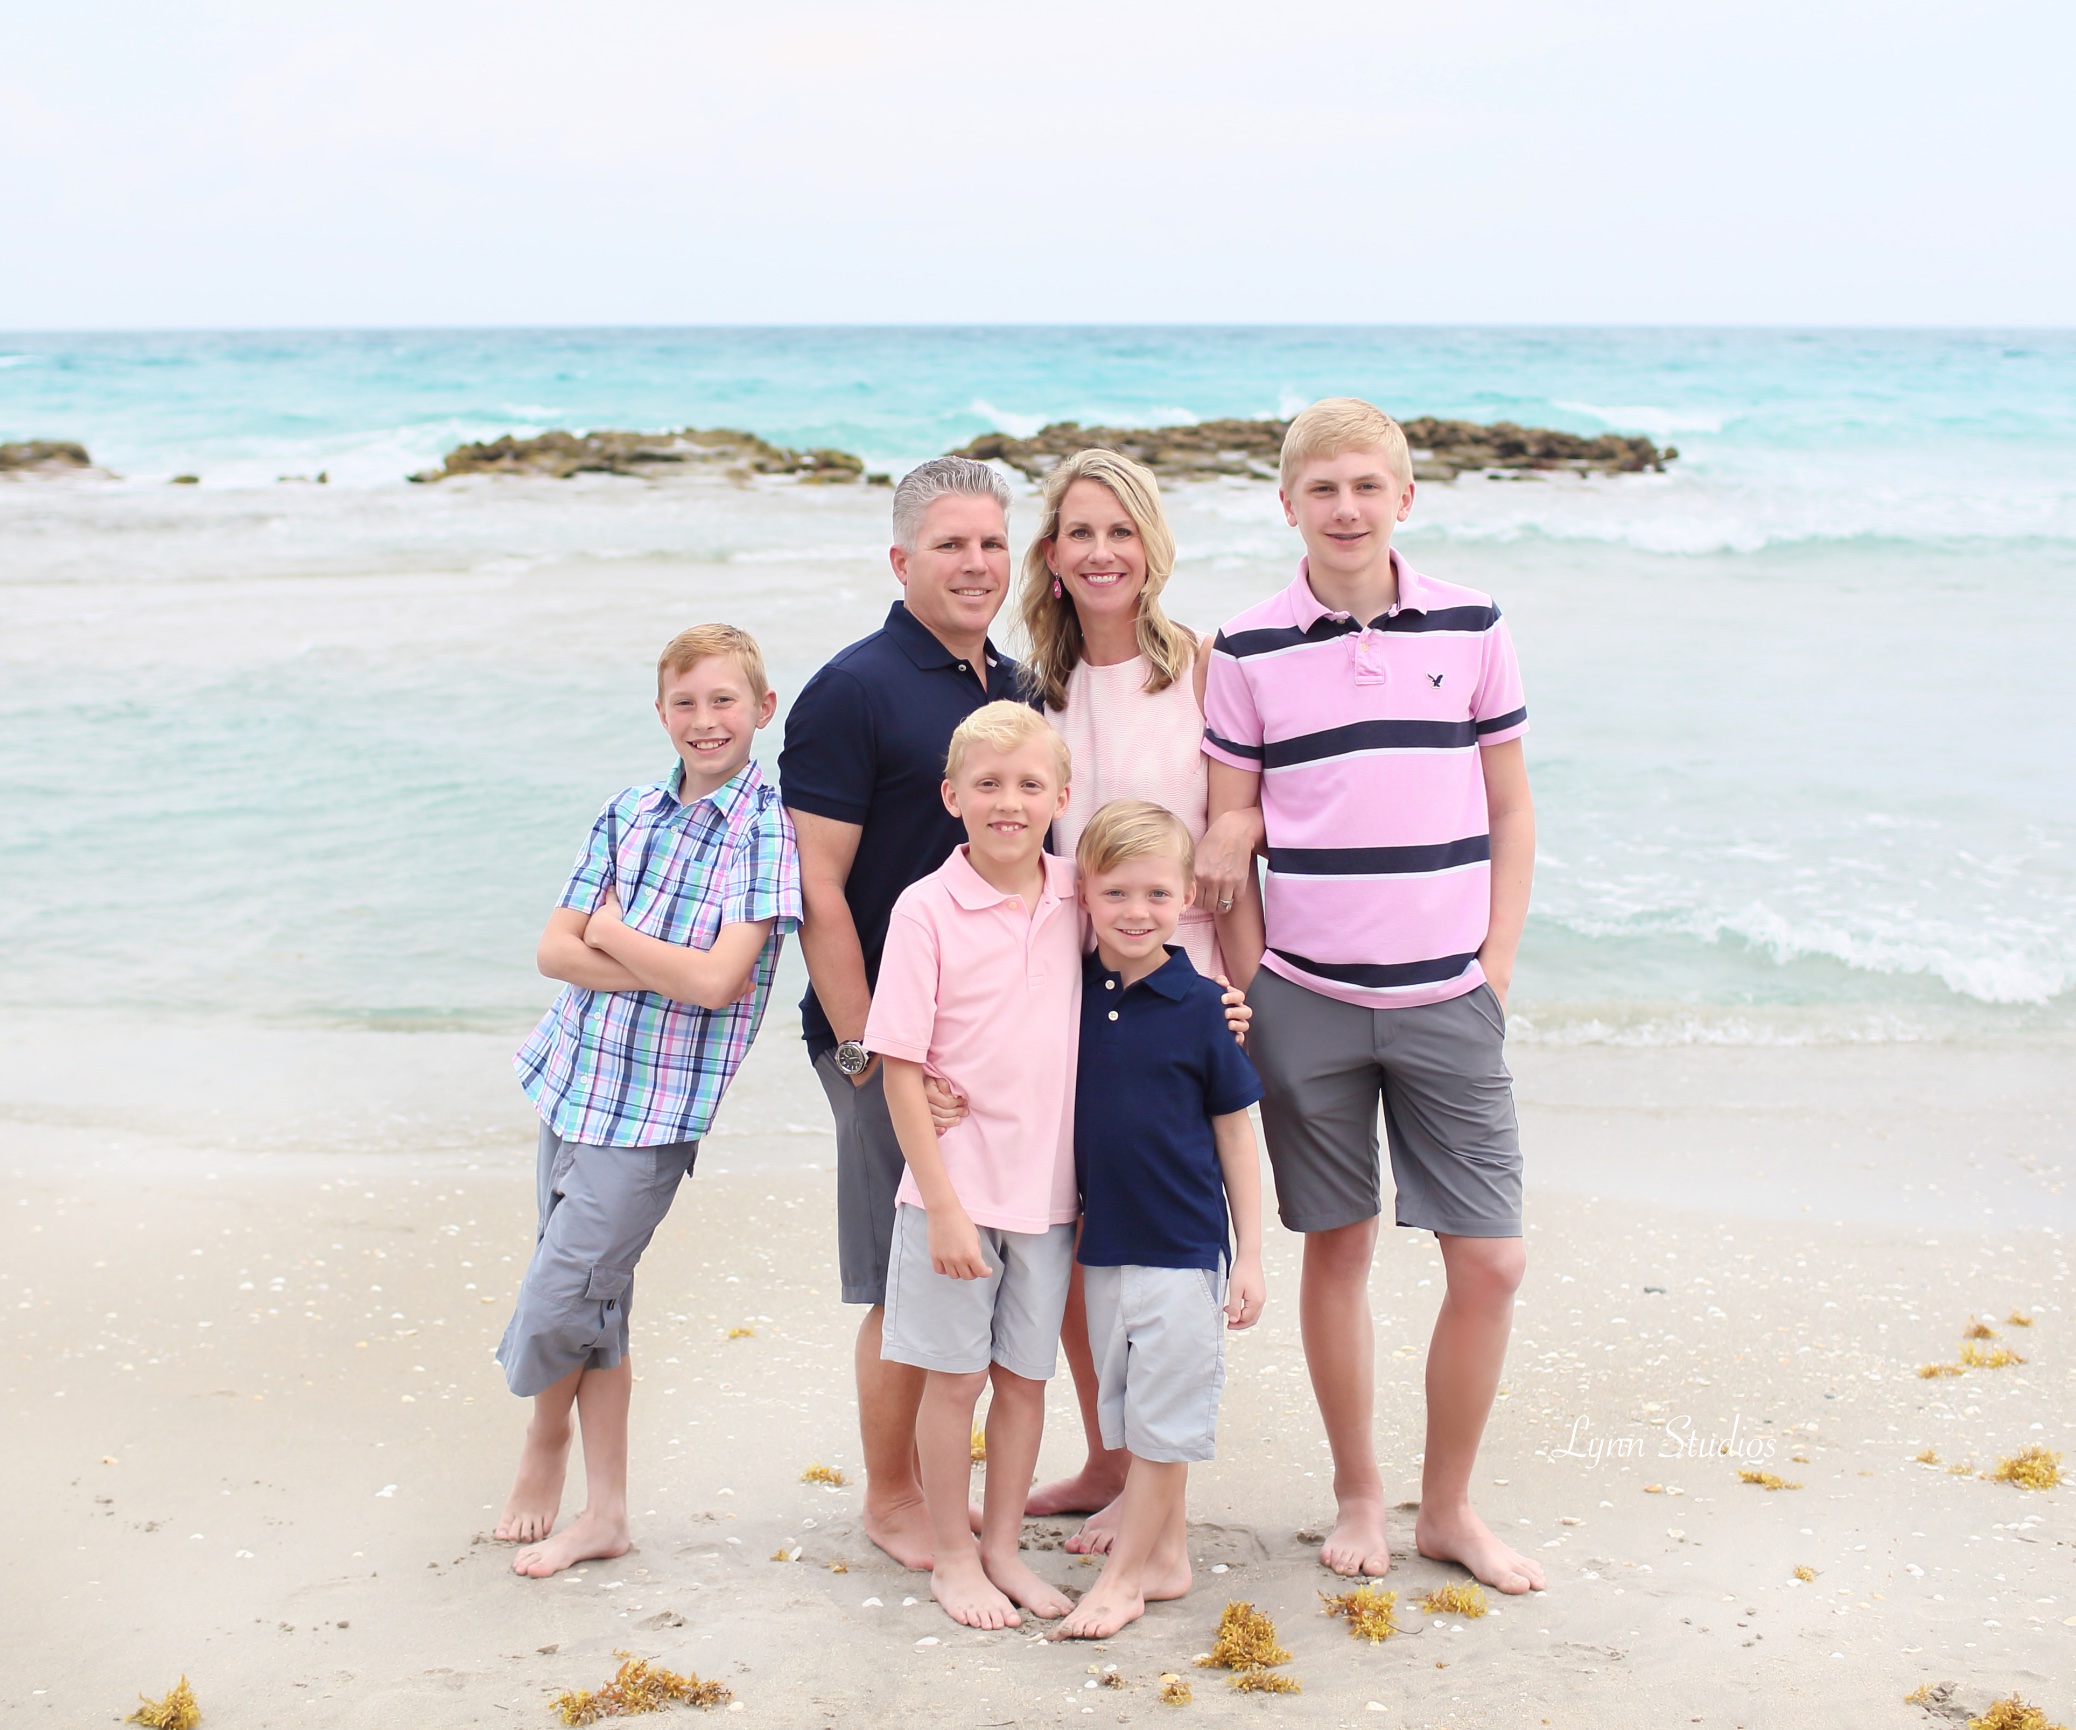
<point>602,952</point>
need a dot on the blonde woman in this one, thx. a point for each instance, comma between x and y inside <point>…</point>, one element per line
<point>1124,685</point>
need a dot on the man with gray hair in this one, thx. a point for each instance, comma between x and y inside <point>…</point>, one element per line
<point>860,771</point>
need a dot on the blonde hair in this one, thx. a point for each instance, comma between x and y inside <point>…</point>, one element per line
<point>1338,424</point>
<point>1004,726</point>
<point>1128,829</point>
<point>688,648</point>
<point>1051,626</point>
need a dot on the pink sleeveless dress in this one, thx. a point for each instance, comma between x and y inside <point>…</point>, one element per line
<point>1129,744</point>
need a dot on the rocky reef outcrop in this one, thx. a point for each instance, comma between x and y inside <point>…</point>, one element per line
<point>44,457</point>
<point>1442,449</point>
<point>694,450</point>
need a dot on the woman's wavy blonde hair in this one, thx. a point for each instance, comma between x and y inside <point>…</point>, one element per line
<point>1051,628</point>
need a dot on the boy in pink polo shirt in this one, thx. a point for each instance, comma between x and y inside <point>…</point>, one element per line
<point>980,986</point>
<point>1376,715</point>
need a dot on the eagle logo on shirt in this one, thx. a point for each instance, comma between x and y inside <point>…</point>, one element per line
<point>1435,679</point>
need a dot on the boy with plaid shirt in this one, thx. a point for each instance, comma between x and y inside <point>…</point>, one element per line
<point>667,936</point>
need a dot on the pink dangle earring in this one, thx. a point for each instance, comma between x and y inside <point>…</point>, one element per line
<point>1057,591</point>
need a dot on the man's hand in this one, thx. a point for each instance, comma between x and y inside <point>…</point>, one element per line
<point>1245,1293</point>
<point>864,1075</point>
<point>955,1244</point>
<point>1237,1014</point>
<point>947,1104</point>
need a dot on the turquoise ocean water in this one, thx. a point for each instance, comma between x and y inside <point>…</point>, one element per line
<point>320,755</point>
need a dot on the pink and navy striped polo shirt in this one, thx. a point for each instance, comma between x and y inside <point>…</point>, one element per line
<point>1366,737</point>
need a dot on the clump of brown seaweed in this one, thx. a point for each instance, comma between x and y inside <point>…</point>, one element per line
<point>2033,1468</point>
<point>1927,1372</point>
<point>1459,1599</point>
<point>1977,1357</point>
<point>1246,1641</point>
<point>742,1333</point>
<point>2018,1319</point>
<point>177,1711</point>
<point>821,1474</point>
<point>1765,1480</point>
<point>1267,1682</point>
<point>638,1686</point>
<point>979,1448</point>
<point>1804,1572</point>
<point>1174,1691</point>
<point>1930,1457</point>
<point>1371,1614</point>
<point>1978,1329</point>
<point>2013,1713</point>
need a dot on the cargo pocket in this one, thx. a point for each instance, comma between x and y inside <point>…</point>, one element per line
<point>608,1286</point>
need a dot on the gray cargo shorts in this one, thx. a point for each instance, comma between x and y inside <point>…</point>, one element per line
<point>1439,1070</point>
<point>868,1172</point>
<point>1158,1338</point>
<point>599,1208</point>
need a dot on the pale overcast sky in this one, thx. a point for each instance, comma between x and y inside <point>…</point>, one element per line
<point>230,163</point>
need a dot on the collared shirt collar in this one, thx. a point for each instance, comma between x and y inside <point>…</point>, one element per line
<point>1171,978</point>
<point>920,644</point>
<point>667,795</point>
<point>974,892</point>
<point>1307,609</point>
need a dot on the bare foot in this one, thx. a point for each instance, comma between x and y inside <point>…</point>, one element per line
<point>1158,1583</point>
<point>536,1496</point>
<point>902,1529</point>
<point>1107,1607</point>
<point>1087,1490</point>
<point>1098,1532</point>
<point>969,1596</point>
<point>1357,1544</point>
<point>589,1537</point>
<point>1043,1599</point>
<point>1465,1539</point>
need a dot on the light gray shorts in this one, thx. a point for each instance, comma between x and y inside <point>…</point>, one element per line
<point>1011,1318</point>
<point>1158,1338</point>
<point>1440,1071</point>
<point>599,1208</point>
<point>868,1172</point>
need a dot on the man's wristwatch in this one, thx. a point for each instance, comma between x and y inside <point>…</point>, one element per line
<point>852,1057</point>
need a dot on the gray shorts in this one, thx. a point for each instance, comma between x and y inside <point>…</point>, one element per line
<point>1011,1318</point>
<point>1439,1070</point>
<point>1158,1338</point>
<point>599,1208</point>
<point>868,1171</point>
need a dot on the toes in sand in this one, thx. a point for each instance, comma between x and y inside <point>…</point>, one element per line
<point>1357,1544</point>
<point>588,1538</point>
<point>1467,1541</point>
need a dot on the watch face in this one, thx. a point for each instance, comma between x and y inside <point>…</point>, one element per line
<point>851,1057</point>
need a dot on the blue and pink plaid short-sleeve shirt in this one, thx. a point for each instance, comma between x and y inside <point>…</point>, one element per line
<point>633,1068</point>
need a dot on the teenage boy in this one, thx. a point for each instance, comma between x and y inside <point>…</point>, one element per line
<point>1376,715</point>
<point>667,936</point>
<point>979,985</point>
<point>861,771</point>
<point>1162,1149</point>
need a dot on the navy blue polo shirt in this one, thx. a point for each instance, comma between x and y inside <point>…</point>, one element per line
<point>865,744</point>
<point>1158,1063</point>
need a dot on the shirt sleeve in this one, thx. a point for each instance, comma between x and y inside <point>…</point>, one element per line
<point>1230,1083</point>
<point>764,876</point>
<point>829,764</point>
<point>1500,707</point>
<point>592,875</point>
<point>1232,724</point>
<point>903,1018</point>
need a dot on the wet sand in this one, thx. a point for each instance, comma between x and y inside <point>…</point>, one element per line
<point>256,1434</point>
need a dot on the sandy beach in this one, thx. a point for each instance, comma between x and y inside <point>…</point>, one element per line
<point>259,1439</point>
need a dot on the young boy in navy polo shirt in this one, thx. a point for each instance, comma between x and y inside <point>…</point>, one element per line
<point>1163,1148</point>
